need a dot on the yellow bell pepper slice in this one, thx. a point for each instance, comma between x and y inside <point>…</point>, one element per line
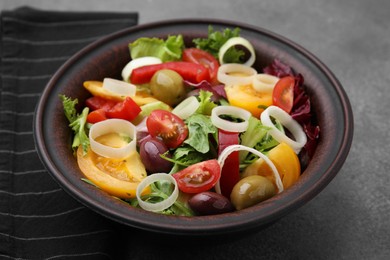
<point>96,89</point>
<point>246,97</point>
<point>286,162</point>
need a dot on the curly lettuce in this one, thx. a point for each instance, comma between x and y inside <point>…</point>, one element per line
<point>78,122</point>
<point>214,42</point>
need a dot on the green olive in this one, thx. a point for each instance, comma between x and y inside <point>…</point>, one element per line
<point>167,86</point>
<point>251,190</point>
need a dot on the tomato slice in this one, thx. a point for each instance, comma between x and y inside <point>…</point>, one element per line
<point>96,102</point>
<point>283,93</point>
<point>127,110</point>
<point>204,58</point>
<point>192,72</point>
<point>96,116</point>
<point>119,178</point>
<point>198,177</point>
<point>169,127</point>
<point>230,171</point>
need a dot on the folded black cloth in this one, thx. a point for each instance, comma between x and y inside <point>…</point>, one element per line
<point>38,220</point>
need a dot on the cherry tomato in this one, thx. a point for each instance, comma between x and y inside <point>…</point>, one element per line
<point>96,116</point>
<point>283,93</point>
<point>169,127</point>
<point>192,72</point>
<point>126,109</point>
<point>230,171</point>
<point>198,177</point>
<point>204,58</point>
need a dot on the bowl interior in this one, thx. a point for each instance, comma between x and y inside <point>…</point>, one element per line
<point>107,57</point>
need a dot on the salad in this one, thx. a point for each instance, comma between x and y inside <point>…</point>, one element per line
<point>194,130</point>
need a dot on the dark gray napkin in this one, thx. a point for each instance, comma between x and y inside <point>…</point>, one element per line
<point>37,218</point>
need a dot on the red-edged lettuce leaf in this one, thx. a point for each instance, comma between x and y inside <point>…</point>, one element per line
<point>278,69</point>
<point>217,90</point>
<point>301,110</point>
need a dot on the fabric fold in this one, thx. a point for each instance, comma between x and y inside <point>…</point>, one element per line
<point>37,218</point>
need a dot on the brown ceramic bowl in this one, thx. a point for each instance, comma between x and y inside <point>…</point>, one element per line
<point>106,58</point>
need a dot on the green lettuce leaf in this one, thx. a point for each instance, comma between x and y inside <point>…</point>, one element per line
<point>186,155</point>
<point>199,129</point>
<point>205,103</point>
<point>161,190</point>
<point>258,137</point>
<point>167,50</point>
<point>254,134</point>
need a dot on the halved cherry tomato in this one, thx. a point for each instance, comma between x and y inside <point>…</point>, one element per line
<point>96,116</point>
<point>96,102</point>
<point>198,177</point>
<point>230,172</point>
<point>192,72</point>
<point>204,58</point>
<point>127,110</point>
<point>169,127</point>
<point>283,93</point>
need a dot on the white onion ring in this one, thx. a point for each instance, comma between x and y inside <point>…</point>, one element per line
<point>227,125</point>
<point>233,148</point>
<point>186,108</point>
<point>224,77</point>
<point>237,41</point>
<point>119,87</point>
<point>287,121</point>
<point>159,206</point>
<point>264,83</point>
<point>113,126</point>
<point>136,63</point>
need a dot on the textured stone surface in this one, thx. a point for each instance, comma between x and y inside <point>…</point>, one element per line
<point>350,219</point>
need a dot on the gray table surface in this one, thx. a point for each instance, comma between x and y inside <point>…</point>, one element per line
<point>350,218</point>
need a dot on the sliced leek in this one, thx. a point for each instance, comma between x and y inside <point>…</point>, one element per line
<point>264,83</point>
<point>287,121</point>
<point>159,206</point>
<point>235,74</point>
<point>119,87</point>
<point>187,107</point>
<point>229,126</point>
<point>237,41</point>
<point>110,126</point>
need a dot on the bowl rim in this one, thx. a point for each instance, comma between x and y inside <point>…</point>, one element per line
<point>233,222</point>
